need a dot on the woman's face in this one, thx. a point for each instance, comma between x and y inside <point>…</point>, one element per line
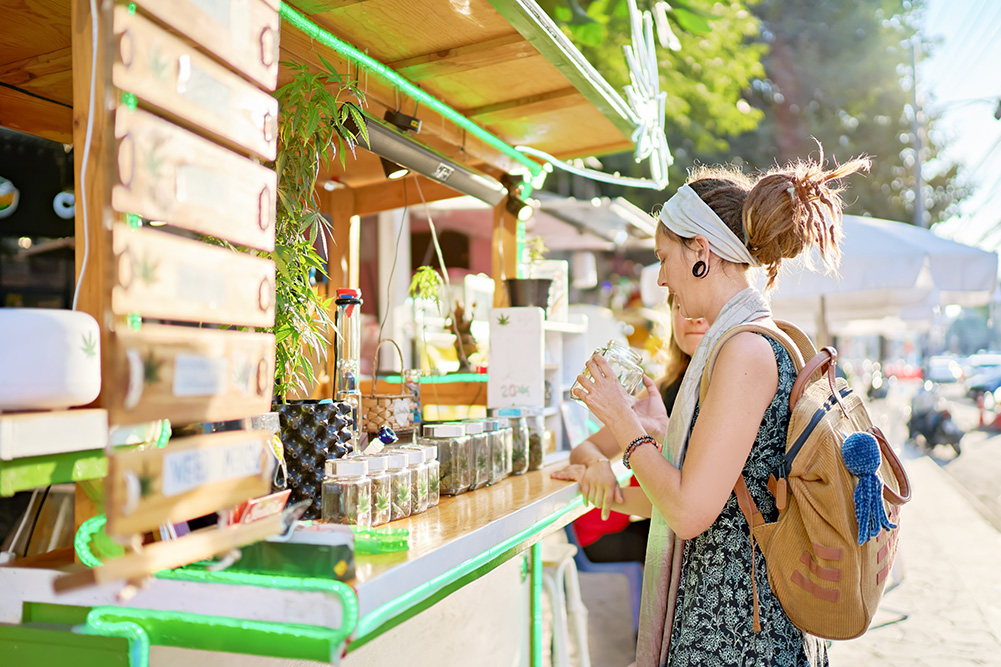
<point>675,273</point>
<point>687,332</point>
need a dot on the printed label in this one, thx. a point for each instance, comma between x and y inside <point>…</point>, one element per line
<point>195,284</point>
<point>198,376</point>
<point>183,471</point>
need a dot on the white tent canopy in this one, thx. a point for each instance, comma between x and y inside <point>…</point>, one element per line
<point>890,272</point>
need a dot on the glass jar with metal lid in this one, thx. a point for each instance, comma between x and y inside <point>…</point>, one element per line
<point>434,469</point>
<point>625,363</point>
<point>454,456</point>
<point>480,453</point>
<point>418,478</point>
<point>536,424</point>
<point>519,438</point>
<point>399,472</point>
<point>347,495</point>
<point>504,426</point>
<point>382,489</point>
<point>496,440</point>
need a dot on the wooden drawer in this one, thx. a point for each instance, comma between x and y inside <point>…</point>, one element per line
<point>190,477</point>
<point>169,174</point>
<point>243,33</point>
<point>188,374</point>
<point>170,278</point>
<point>163,71</point>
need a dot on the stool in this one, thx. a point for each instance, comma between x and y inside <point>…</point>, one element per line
<point>559,578</point>
<point>632,571</point>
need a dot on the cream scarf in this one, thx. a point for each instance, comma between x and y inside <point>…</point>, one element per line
<point>662,571</point>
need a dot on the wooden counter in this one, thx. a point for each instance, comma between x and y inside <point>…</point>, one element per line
<point>463,538</point>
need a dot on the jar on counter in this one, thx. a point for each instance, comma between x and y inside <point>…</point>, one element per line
<point>434,471</point>
<point>480,453</point>
<point>347,495</point>
<point>536,424</point>
<point>504,426</point>
<point>625,362</point>
<point>382,489</point>
<point>455,459</point>
<point>418,478</point>
<point>496,439</point>
<point>519,438</point>
<point>399,473</point>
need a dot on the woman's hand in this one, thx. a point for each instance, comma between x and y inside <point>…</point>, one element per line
<point>599,486</point>
<point>572,473</point>
<point>603,394</point>
<point>651,411</point>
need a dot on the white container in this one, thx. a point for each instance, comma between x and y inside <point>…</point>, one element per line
<point>49,359</point>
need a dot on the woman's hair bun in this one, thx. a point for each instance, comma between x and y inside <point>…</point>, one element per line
<point>793,208</point>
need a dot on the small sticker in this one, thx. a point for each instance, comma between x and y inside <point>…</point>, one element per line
<point>198,376</point>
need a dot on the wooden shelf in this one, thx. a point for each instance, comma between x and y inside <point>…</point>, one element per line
<point>564,327</point>
<point>24,434</point>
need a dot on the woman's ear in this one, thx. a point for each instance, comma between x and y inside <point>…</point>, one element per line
<point>700,245</point>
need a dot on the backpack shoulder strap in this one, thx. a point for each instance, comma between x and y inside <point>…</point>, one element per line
<point>806,347</point>
<point>777,333</point>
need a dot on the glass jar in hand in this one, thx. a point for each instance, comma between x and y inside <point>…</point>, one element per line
<point>625,363</point>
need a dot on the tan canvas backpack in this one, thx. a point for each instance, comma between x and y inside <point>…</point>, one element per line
<point>827,582</point>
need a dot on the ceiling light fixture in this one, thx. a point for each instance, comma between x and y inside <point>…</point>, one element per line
<point>392,144</point>
<point>519,208</point>
<point>392,170</point>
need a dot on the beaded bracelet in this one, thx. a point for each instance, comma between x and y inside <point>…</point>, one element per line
<point>634,444</point>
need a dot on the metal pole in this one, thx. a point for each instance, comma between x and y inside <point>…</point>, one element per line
<point>919,205</point>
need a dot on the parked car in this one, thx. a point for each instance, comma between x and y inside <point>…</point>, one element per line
<point>943,370</point>
<point>985,382</point>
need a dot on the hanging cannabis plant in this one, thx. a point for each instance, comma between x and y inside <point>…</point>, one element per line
<point>313,111</point>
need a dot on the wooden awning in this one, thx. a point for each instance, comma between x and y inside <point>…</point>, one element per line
<point>500,63</point>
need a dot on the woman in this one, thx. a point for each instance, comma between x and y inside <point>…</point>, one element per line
<point>698,604</point>
<point>607,536</point>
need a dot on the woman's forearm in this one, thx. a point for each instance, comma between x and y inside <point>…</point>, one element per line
<point>601,445</point>
<point>634,501</point>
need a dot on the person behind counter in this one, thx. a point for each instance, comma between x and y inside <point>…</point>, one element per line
<point>611,537</point>
<point>699,609</point>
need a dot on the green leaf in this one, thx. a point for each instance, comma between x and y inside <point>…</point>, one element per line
<point>691,22</point>
<point>359,119</point>
<point>331,70</point>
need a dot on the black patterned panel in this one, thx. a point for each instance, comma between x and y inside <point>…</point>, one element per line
<point>311,433</point>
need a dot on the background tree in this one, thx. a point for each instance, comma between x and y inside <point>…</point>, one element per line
<point>834,72</point>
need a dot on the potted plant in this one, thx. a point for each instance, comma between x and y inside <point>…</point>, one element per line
<point>311,132</point>
<point>531,291</point>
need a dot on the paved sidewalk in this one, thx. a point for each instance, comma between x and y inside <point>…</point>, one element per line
<point>949,564</point>
<point>945,611</point>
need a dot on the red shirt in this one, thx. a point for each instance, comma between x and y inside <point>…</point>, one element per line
<point>590,527</point>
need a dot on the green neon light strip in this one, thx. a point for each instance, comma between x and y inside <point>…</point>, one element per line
<point>535,657</point>
<point>371,622</point>
<point>100,623</point>
<point>441,379</point>
<point>84,534</point>
<point>143,627</point>
<point>314,31</point>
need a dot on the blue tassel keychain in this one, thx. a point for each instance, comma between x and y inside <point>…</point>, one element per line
<point>862,458</point>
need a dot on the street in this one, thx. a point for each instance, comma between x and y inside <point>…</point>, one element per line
<point>977,471</point>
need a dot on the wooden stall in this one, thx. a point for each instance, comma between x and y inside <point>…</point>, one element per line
<point>172,120</point>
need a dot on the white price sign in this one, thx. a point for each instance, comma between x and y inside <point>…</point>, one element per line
<point>186,470</point>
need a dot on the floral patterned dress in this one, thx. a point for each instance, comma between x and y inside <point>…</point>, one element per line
<point>714,612</point>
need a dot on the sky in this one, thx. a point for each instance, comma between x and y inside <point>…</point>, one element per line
<point>961,80</point>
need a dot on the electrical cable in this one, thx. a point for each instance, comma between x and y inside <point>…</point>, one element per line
<point>38,512</point>
<point>91,112</point>
<point>592,174</point>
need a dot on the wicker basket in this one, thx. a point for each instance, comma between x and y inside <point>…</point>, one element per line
<point>394,410</point>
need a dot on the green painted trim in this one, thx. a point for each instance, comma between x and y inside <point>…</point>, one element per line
<point>101,621</point>
<point>42,646</point>
<point>541,32</point>
<point>441,379</point>
<point>313,31</point>
<point>145,627</point>
<point>35,471</point>
<point>535,607</point>
<point>426,594</point>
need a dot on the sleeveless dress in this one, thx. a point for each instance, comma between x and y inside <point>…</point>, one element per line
<point>714,612</point>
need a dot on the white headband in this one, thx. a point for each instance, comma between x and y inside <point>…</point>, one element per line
<point>687,215</point>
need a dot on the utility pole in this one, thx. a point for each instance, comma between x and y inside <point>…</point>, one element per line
<point>919,201</point>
